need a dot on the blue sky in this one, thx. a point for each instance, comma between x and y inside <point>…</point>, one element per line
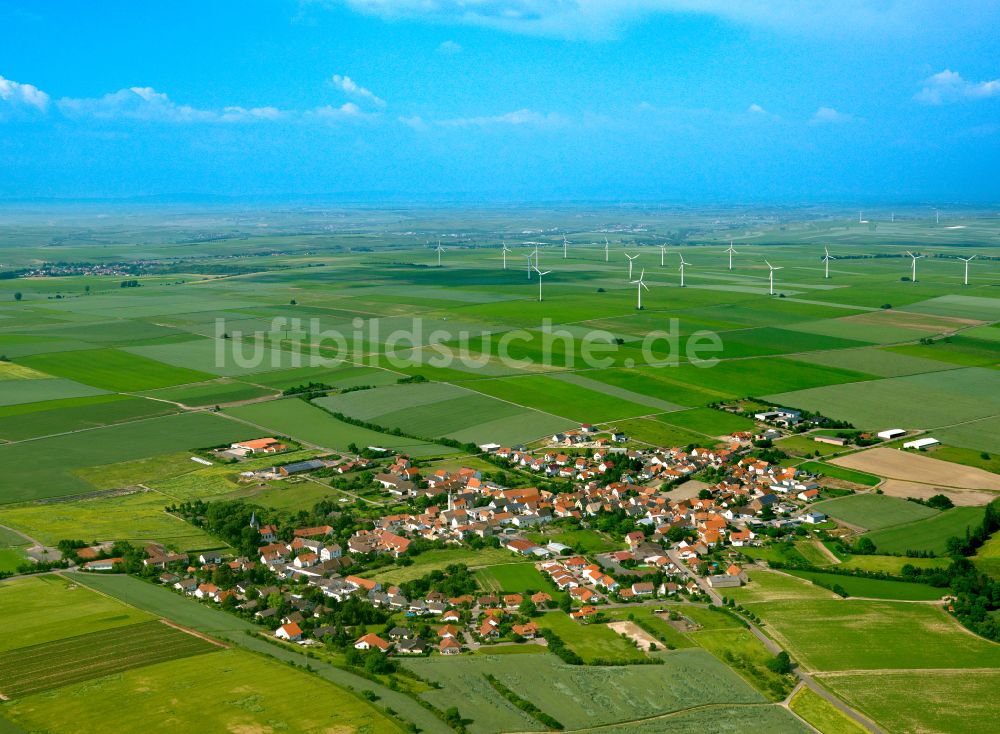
<point>696,100</point>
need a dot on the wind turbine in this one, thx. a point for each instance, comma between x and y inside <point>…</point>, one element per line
<point>529,255</point>
<point>540,274</point>
<point>565,247</point>
<point>913,272</point>
<point>937,217</point>
<point>682,269</point>
<point>663,251</point>
<point>639,285</point>
<point>731,251</point>
<point>967,260</point>
<point>606,245</point>
<point>770,275</point>
<point>630,259</point>
<point>504,252</point>
<point>439,250</point>
<point>827,257</point>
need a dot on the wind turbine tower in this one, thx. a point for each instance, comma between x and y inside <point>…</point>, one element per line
<point>439,251</point>
<point>682,270</point>
<point>731,251</point>
<point>827,257</point>
<point>504,252</point>
<point>565,247</point>
<point>639,286</point>
<point>540,274</point>
<point>967,260</point>
<point>913,271</point>
<point>770,276</point>
<point>606,245</point>
<point>663,251</point>
<point>630,259</point>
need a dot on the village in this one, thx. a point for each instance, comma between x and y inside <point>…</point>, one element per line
<point>682,543</point>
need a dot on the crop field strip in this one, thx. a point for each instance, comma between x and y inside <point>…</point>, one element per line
<point>29,670</point>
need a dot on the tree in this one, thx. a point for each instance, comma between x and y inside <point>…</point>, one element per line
<point>780,663</point>
<point>705,494</point>
<point>864,547</point>
<point>527,608</point>
<point>18,296</point>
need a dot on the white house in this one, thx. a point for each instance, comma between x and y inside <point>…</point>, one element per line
<point>891,433</point>
<point>921,443</point>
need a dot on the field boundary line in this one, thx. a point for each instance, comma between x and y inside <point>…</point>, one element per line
<point>193,633</point>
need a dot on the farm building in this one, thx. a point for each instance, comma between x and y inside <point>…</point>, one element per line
<point>832,440</point>
<point>921,443</point>
<point>891,433</point>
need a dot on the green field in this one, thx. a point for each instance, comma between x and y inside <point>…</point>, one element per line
<point>951,702</point>
<point>739,649</point>
<point>848,634</point>
<point>579,696</point>
<point>101,410</point>
<point>591,642</point>
<point>776,586</point>
<point>47,608</point>
<point>838,472</point>
<point>988,556</point>
<point>21,392</point>
<point>113,369</point>
<point>874,511</point>
<point>586,541</point>
<point>307,423</point>
<point>38,668</point>
<point>874,588</point>
<point>438,559</point>
<point>822,714</point>
<point>45,468</point>
<point>217,392</point>
<point>247,693</point>
<point>513,578</point>
<point>892,564</point>
<point>929,534</point>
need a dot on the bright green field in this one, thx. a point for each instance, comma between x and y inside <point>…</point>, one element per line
<point>579,696</point>
<point>718,720</point>
<point>892,564</point>
<point>822,714</point>
<point>438,559</point>
<point>512,578</point>
<point>47,608</point>
<point>838,472</point>
<point>113,369</point>
<point>869,635</point>
<point>874,511</point>
<point>740,649</point>
<point>988,557</point>
<point>930,534</point>
<point>775,586</point>
<point>708,421</point>
<point>21,392</point>
<point>951,702</point>
<point>248,693</point>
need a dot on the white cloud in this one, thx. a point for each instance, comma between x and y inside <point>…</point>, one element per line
<point>349,86</point>
<point>523,117</point>
<point>949,86</point>
<point>416,122</point>
<point>134,103</point>
<point>346,111</point>
<point>450,47</point>
<point>756,109</point>
<point>15,94</point>
<point>828,115</point>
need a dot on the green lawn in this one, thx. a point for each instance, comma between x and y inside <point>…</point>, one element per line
<point>739,649</point>
<point>437,559</point>
<point>513,578</point>
<point>776,586</point>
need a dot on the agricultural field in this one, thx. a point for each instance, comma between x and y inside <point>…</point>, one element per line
<point>438,559</point>
<point>874,588</point>
<point>833,471</point>
<point>591,642</point>
<point>929,534</point>
<point>46,467</point>
<point>822,714</point>
<point>311,425</point>
<point>872,635</point>
<point>48,608</point>
<point>37,668</point>
<point>988,557</point>
<point>739,649</point>
<point>874,511</point>
<point>231,690</point>
<point>217,392</point>
<point>892,564</point>
<point>34,420</point>
<point>773,586</point>
<point>513,577</point>
<point>951,702</point>
<point>579,696</point>
<point>113,369</point>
